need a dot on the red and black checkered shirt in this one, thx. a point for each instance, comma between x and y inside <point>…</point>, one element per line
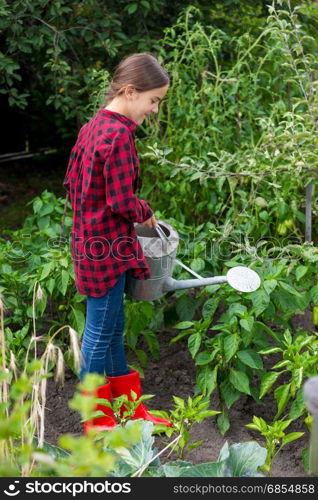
<point>102,178</point>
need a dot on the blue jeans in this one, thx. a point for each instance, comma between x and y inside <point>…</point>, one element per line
<point>102,343</point>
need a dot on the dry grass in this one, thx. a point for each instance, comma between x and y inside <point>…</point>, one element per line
<point>34,424</point>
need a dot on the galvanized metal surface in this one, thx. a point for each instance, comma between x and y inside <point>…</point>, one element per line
<point>311,400</point>
<point>311,395</point>
<point>172,284</point>
<point>160,257</point>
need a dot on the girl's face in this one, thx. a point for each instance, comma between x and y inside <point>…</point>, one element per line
<point>141,104</point>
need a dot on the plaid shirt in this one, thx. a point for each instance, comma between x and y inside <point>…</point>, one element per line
<point>102,178</point>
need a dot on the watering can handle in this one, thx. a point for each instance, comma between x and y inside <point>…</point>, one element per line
<point>164,238</point>
<point>161,233</point>
<point>188,269</point>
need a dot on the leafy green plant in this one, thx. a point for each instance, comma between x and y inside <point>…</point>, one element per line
<point>143,320</point>
<point>238,460</point>
<point>45,44</point>
<point>229,352</point>
<point>23,398</point>
<point>299,359</point>
<point>83,456</point>
<point>226,361</point>
<point>275,437</point>
<point>36,274</point>
<point>128,452</point>
<point>23,451</point>
<point>85,401</point>
<point>183,416</point>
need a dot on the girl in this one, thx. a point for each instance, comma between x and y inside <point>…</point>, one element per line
<point>102,178</point>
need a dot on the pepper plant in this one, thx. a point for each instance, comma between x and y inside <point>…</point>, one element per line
<point>299,360</point>
<point>275,437</point>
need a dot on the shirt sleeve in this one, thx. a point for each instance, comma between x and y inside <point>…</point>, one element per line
<point>119,173</point>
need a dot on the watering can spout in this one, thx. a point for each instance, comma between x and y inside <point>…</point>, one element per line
<point>171,284</point>
<point>159,246</point>
<point>240,278</point>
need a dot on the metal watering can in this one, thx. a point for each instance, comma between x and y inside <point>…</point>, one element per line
<point>159,246</point>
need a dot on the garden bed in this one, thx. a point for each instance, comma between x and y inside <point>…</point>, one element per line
<point>174,374</point>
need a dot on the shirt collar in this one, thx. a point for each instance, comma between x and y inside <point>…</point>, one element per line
<point>131,124</point>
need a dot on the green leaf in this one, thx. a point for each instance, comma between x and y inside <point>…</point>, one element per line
<point>142,357</point>
<point>183,325</point>
<point>179,336</point>
<point>205,414</point>
<point>288,288</point>
<point>297,376</point>
<point>267,381</point>
<point>261,326</point>
<point>78,319</point>
<point>314,295</point>
<point>196,175</point>
<point>300,272</point>
<point>194,342</point>
<point>292,436</point>
<point>260,300</point>
<point>228,393</point>
<point>43,222</point>
<point>46,209</point>
<point>244,460</point>
<point>230,345</point>
<point>185,307</point>
<point>281,364</point>
<point>146,5</point>
<point>206,379</point>
<point>271,350</point>
<point>131,458</point>
<point>270,285</point>
<point>9,334</point>
<point>132,8</point>
<point>62,281</point>
<point>52,450</point>
<point>223,422</point>
<point>236,310</point>
<point>247,323</point>
<point>65,280</point>
<point>46,269</point>
<point>251,359</point>
<point>153,343</point>
<point>288,337</point>
<point>240,381</point>
<point>212,469</point>
<point>37,204</point>
<point>298,407</point>
<point>194,445</point>
<point>282,396</point>
<point>302,302</point>
<point>197,265</point>
<point>50,284</point>
<point>210,307</point>
<point>202,358</point>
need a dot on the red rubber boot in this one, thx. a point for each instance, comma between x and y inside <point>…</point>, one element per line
<point>131,382</point>
<point>108,422</point>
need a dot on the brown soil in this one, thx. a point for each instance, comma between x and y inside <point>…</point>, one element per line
<point>174,374</point>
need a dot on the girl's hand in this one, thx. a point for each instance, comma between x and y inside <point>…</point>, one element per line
<point>151,222</point>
